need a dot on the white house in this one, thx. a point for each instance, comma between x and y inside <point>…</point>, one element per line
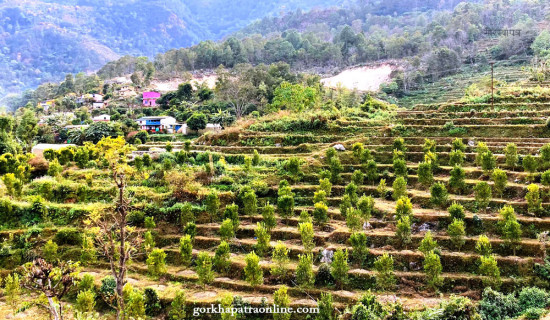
<point>157,123</point>
<point>102,118</point>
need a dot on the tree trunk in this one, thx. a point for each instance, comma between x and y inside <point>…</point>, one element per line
<point>53,309</point>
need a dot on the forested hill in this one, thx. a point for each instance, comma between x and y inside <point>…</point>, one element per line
<point>42,40</point>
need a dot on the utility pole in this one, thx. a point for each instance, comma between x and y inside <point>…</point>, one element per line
<point>492,85</point>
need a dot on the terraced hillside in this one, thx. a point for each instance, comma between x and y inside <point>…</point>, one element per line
<point>345,176</point>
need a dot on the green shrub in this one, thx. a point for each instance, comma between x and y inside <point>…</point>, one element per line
<point>285,206</point>
<point>280,260</point>
<point>438,194</point>
<point>353,219</point>
<point>253,272</point>
<point>488,162</point>
<point>281,299</point>
<point>403,207</point>
<point>399,188</point>
<point>148,242</point>
<point>456,211</point>
<point>428,244</point>
<point>399,144</point>
<point>483,246</point>
<point>326,307</point>
<point>425,175</point>
<point>212,204</point>
<point>482,193</point>
<point>498,306</point>
<point>457,181</point>
<point>190,229</point>
<point>382,189</point>
<point>357,177</point>
<point>177,307</point>
<point>222,258</point>
<point>533,199</point>
<point>256,158</point>
<point>319,196</point>
<point>304,217</point>
<point>545,156</point>
<point>307,236</point>
<point>227,231</point>
<point>263,237</point>
<point>85,301</point>
<point>534,313</point>
<point>156,263</point>
<point>232,212</point>
<point>371,171</point>
<point>511,154</point>
<point>320,213</point>
<point>433,269</point>
<point>351,191</point>
<point>429,145</point>
<point>533,298</point>
<point>400,168</point>
<point>530,164</point>
<point>500,179</point>
<point>250,203</point>
<point>488,268</point>
<point>481,148</point>
<point>335,170</point>
<point>366,206</point>
<point>326,186</point>
<point>152,302</point>
<point>403,233</point>
<point>204,268</point>
<point>304,271</point>
<point>339,267</point>
<point>456,231</point>
<point>345,205</point>
<point>49,252</point>
<point>385,278</point>
<point>268,215</point>
<point>358,241</point>
<point>186,249</point>
<point>457,144</point>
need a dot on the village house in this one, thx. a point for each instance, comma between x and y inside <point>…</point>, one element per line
<point>102,118</point>
<point>158,123</point>
<point>150,98</point>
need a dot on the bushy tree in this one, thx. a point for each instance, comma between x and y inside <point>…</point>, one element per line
<point>482,193</point>
<point>457,144</point>
<point>425,174</point>
<point>481,148</point>
<point>489,269</point>
<point>339,267</point>
<point>304,271</point>
<point>456,211</point>
<point>156,263</point>
<point>429,145</point>
<point>345,205</point>
<point>457,181</point>
<point>250,203</point>
<point>399,188</point>
<point>319,196</point>
<point>253,272</point>
<point>357,177</point>
<point>320,213</point>
<point>280,260</point>
<point>204,268</point>
<point>148,241</point>
<point>403,233</point>
<point>385,278</point>
<point>438,194</point>
<point>177,310</point>
<point>335,169</point>
<point>326,186</point>
<point>483,246</point>
<point>399,144</point>
<point>500,180</point>
<point>456,158</point>
<point>428,244</point>
<point>488,162</point>
<point>382,189</point>
<point>400,168</point>
<point>358,241</point>
<point>456,231</point>
<point>281,299</point>
<point>433,269</point>
<point>263,237</point>
<point>212,204</point>
<point>511,154</point>
<point>533,199</point>
<point>511,229</point>
<point>351,191</point>
<point>268,215</point>
<point>326,307</point>
<point>530,164</point>
<point>366,206</point>
<point>226,230</point>
<point>285,206</point>
<point>371,171</point>
<point>222,257</point>
<point>307,236</point>
<point>12,291</point>
<point>186,249</point>
<point>403,207</point>
<point>353,219</point>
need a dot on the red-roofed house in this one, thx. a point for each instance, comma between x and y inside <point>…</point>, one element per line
<point>150,98</point>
